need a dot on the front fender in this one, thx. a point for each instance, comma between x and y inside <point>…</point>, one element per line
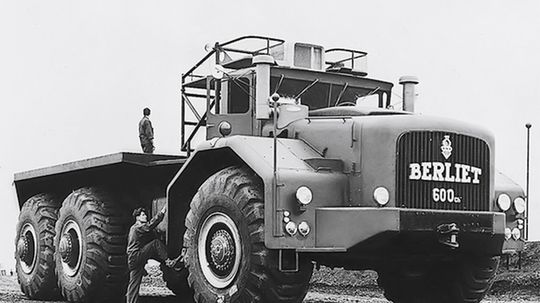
<point>297,165</point>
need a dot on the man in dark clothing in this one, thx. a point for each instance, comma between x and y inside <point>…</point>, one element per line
<point>146,132</point>
<point>143,245</point>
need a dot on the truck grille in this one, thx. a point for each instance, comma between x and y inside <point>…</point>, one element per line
<point>420,153</point>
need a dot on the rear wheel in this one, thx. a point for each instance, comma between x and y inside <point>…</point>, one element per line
<point>91,245</point>
<point>34,254</point>
<point>226,256</point>
<point>467,279</point>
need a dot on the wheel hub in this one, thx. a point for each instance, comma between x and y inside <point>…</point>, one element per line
<point>219,250</point>
<point>66,247</point>
<point>23,249</point>
<point>26,248</point>
<point>70,248</point>
<point>222,250</point>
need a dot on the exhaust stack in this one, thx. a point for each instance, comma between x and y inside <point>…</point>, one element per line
<point>262,63</point>
<point>409,83</point>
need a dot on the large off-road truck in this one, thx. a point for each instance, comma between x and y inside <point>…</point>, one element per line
<point>305,163</point>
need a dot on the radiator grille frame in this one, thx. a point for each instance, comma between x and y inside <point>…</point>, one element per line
<point>425,146</point>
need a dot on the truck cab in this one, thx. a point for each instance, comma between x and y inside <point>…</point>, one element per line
<point>383,184</point>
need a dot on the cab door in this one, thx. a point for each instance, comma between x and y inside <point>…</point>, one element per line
<point>235,106</point>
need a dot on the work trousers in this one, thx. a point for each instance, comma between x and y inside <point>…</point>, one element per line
<point>154,250</point>
<point>148,147</point>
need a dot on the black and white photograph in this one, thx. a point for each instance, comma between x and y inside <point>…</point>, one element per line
<point>284,151</point>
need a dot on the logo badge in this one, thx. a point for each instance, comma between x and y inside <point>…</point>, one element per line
<point>446,147</point>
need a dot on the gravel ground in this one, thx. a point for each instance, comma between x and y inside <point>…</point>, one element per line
<point>10,292</point>
<point>343,286</point>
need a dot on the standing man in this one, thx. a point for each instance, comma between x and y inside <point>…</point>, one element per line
<point>146,132</point>
<point>143,244</point>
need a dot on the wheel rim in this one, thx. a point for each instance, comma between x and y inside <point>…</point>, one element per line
<point>70,248</point>
<point>219,250</point>
<point>26,248</point>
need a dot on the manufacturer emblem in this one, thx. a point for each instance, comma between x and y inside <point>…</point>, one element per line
<point>446,147</point>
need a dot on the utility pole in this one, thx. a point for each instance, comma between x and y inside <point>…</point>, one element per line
<point>528,126</point>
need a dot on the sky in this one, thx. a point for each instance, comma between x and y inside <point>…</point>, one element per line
<point>75,75</point>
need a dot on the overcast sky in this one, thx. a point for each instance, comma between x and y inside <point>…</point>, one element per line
<point>75,75</point>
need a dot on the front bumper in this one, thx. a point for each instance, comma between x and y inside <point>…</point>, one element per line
<point>343,229</point>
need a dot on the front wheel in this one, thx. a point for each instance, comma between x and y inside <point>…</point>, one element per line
<point>464,280</point>
<point>226,256</point>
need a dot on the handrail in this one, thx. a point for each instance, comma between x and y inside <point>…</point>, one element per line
<point>354,54</point>
<point>218,47</point>
<point>253,37</point>
<point>198,64</point>
<point>194,132</point>
<point>216,51</point>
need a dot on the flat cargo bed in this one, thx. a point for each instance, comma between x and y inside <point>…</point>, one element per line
<point>106,160</point>
<point>120,170</point>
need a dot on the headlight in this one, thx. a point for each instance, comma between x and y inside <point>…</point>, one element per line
<point>504,202</point>
<point>381,195</point>
<point>516,233</point>
<point>303,228</point>
<point>304,195</point>
<point>507,233</point>
<point>291,228</point>
<point>519,205</point>
<point>225,128</point>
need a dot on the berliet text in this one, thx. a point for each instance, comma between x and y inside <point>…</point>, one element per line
<point>445,172</point>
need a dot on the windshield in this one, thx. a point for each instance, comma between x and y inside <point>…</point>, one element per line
<point>317,94</point>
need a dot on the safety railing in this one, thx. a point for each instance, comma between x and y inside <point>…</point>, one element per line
<point>200,93</point>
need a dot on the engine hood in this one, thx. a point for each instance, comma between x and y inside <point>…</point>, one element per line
<point>368,146</point>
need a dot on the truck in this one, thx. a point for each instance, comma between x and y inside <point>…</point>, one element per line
<point>302,161</point>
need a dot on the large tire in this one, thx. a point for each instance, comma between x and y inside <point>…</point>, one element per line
<point>91,236</point>
<point>227,217</point>
<point>465,280</point>
<point>177,282</point>
<point>34,253</point>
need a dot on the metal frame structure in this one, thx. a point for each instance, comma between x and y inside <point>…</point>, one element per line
<point>193,88</point>
<point>349,57</point>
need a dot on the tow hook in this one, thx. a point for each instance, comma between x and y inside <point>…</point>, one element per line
<point>448,235</point>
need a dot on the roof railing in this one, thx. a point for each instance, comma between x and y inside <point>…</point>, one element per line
<point>223,51</point>
<point>345,60</point>
<point>203,88</point>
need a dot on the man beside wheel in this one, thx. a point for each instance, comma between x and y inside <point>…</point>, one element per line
<point>143,244</point>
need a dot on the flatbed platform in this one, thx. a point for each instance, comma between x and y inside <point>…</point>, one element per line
<point>118,170</point>
<point>101,161</point>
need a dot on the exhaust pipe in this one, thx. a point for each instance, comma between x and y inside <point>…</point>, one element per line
<point>409,83</point>
<point>262,86</point>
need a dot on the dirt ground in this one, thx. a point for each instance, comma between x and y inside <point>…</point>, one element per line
<point>512,284</point>
<point>10,292</point>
